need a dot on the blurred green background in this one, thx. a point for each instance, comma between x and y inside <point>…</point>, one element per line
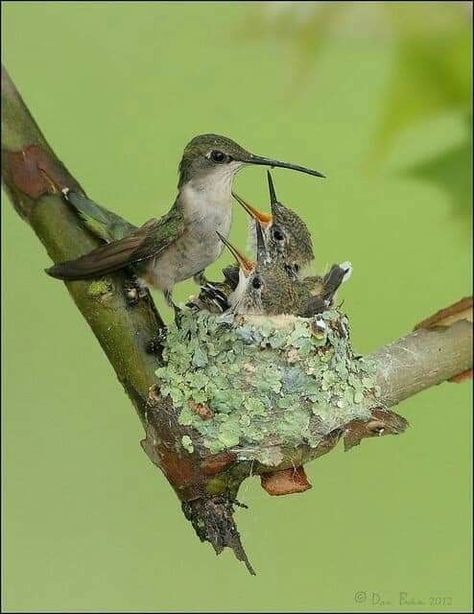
<point>375,95</point>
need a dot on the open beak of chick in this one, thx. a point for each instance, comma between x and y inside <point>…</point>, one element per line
<point>247,266</point>
<point>264,219</point>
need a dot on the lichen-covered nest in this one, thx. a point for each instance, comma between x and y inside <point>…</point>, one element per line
<point>258,385</point>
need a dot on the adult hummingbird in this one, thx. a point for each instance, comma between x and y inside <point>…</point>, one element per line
<point>183,242</point>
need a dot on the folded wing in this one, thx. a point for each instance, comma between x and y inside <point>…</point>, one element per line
<point>145,243</point>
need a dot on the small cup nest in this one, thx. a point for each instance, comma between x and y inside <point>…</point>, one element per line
<point>259,386</point>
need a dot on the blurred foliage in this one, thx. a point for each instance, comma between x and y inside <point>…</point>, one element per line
<point>430,74</point>
<point>451,171</point>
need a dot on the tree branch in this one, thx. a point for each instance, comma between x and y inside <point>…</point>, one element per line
<point>422,359</point>
<point>33,177</point>
<point>205,480</point>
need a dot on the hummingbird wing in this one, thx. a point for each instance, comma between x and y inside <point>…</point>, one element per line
<point>332,281</point>
<point>104,224</point>
<point>314,305</point>
<point>144,243</point>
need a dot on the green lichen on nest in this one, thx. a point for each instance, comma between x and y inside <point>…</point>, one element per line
<point>263,383</point>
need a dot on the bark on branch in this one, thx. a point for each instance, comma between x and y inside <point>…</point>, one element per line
<point>206,484</point>
<point>423,359</point>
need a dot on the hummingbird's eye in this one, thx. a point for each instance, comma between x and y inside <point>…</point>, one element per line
<point>256,283</point>
<point>218,156</point>
<point>278,234</point>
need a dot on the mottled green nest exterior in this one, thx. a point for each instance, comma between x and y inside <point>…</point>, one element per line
<point>257,385</point>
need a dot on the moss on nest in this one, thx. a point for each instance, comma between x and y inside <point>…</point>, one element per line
<point>261,384</point>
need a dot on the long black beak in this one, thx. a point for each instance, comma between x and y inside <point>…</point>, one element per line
<point>252,159</point>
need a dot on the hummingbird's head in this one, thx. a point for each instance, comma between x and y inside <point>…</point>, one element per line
<point>246,274</point>
<point>289,239</point>
<point>271,288</point>
<point>218,156</point>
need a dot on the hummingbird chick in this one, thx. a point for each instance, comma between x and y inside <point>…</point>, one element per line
<point>287,237</point>
<point>288,241</point>
<point>269,287</point>
<point>265,287</point>
<point>183,242</point>
<point>323,289</point>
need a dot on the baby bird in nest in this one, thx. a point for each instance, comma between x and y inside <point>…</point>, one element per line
<point>284,248</point>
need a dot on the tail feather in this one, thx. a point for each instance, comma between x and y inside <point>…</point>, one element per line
<point>102,260</point>
<point>82,269</point>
